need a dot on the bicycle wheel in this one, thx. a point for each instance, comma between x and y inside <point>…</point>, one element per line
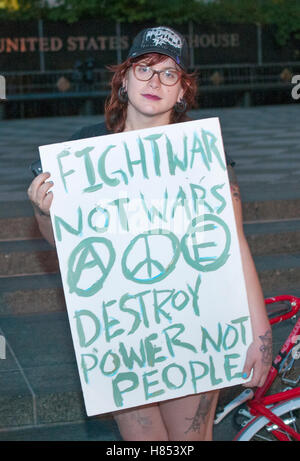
<point>258,428</point>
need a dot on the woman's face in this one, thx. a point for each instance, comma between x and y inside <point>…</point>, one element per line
<point>151,98</point>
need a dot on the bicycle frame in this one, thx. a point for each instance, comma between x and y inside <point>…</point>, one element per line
<point>259,403</point>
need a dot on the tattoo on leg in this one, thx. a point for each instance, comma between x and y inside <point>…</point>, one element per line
<point>201,413</point>
<point>132,417</point>
<point>143,421</point>
<point>266,348</point>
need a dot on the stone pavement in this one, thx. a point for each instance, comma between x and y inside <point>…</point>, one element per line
<point>40,396</point>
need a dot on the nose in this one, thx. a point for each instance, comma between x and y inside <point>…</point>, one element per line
<point>154,81</point>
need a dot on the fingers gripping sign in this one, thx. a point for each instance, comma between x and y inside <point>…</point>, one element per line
<point>40,194</point>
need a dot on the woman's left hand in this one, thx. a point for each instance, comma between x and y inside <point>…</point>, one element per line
<point>259,359</point>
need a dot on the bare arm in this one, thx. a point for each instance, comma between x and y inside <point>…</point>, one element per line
<point>41,198</point>
<point>259,354</point>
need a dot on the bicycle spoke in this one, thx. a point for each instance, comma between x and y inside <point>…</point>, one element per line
<point>259,436</point>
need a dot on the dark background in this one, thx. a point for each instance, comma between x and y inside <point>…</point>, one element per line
<point>221,44</point>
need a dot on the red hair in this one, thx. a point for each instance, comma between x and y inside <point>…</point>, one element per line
<point>116,112</point>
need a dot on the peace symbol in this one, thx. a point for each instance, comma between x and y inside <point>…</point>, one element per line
<point>85,256</point>
<point>151,270</point>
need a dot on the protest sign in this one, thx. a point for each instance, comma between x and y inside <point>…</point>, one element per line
<point>150,263</point>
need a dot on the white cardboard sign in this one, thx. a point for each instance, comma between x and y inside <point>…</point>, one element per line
<point>150,263</point>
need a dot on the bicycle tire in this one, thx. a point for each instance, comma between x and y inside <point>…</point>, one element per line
<point>256,429</point>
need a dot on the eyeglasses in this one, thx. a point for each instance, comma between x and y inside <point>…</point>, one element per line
<point>167,77</point>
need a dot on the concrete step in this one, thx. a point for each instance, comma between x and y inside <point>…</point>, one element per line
<point>30,281</point>
<point>21,256</point>
<point>25,257</point>
<point>261,210</point>
<point>39,378</point>
<point>15,208</point>
<point>19,228</point>
<point>281,270</point>
<point>273,237</point>
<point>44,294</point>
<point>17,220</point>
<point>31,294</point>
<point>90,430</point>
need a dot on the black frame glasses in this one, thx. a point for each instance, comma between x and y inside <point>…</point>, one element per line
<point>158,72</point>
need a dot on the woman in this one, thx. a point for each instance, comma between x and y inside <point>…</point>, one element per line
<point>152,88</point>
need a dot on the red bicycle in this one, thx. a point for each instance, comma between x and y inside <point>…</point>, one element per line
<point>273,416</point>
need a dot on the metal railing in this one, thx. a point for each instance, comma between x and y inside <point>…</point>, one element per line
<point>250,75</point>
<point>67,92</point>
<point>54,83</point>
<point>213,77</point>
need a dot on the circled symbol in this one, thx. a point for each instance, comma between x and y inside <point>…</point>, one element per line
<point>150,270</point>
<point>198,226</point>
<point>85,256</point>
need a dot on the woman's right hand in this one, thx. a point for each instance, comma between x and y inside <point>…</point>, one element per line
<point>40,195</point>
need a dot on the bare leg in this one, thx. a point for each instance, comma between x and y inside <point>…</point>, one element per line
<point>191,417</point>
<point>141,423</point>
<point>187,418</point>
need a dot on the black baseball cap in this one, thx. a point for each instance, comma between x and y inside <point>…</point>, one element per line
<point>162,40</point>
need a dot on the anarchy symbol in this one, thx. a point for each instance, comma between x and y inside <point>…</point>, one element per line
<point>95,253</point>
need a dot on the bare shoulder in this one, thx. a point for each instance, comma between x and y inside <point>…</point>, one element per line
<point>236,200</point>
<point>233,182</point>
